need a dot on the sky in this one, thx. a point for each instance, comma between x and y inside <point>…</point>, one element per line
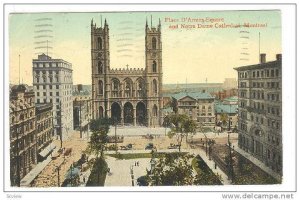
<point>196,51</point>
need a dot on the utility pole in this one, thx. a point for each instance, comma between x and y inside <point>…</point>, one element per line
<point>80,118</point>
<point>19,70</point>
<point>18,159</point>
<point>60,124</point>
<point>230,167</point>
<point>116,135</point>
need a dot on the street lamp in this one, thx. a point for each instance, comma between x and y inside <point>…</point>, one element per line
<point>115,123</point>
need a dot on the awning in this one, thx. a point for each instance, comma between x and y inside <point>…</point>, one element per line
<point>47,150</point>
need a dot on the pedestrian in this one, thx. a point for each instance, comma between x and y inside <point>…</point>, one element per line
<point>84,179</point>
<point>137,163</point>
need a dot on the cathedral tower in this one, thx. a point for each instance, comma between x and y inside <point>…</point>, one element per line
<point>153,70</point>
<point>100,68</point>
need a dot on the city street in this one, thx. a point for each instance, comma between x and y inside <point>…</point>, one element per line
<point>49,176</point>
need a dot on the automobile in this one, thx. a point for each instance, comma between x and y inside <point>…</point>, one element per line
<point>127,147</point>
<point>173,146</point>
<point>149,146</point>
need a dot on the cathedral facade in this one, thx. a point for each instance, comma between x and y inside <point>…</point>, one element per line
<point>129,96</point>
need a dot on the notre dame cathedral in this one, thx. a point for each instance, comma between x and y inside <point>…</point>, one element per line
<point>129,96</point>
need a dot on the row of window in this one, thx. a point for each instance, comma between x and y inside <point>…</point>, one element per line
<point>22,116</point>
<point>44,87</point>
<point>260,73</point>
<point>273,124</point>
<point>64,93</point>
<point>51,100</point>
<point>44,125</point>
<point>51,64</point>
<point>46,137</point>
<point>270,154</point>
<point>261,95</point>
<point>44,72</point>
<point>117,92</point>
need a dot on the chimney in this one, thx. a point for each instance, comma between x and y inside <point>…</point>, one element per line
<point>262,58</point>
<point>278,57</point>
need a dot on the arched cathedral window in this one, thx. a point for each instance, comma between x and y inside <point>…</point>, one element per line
<point>154,111</point>
<point>153,43</point>
<point>154,66</point>
<point>99,42</point>
<point>154,86</point>
<point>115,88</point>
<point>100,83</point>
<point>100,67</point>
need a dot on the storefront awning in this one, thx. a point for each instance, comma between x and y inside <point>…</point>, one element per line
<point>47,150</point>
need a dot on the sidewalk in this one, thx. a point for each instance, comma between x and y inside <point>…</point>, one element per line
<point>121,173</point>
<point>27,180</point>
<point>257,162</point>
<point>211,165</point>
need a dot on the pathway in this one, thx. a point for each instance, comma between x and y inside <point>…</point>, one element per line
<point>120,171</point>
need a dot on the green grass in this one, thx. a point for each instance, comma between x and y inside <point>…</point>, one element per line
<point>99,168</point>
<point>204,173</point>
<point>195,165</point>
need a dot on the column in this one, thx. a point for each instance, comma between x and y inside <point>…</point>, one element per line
<point>134,116</point>
<point>122,116</point>
<point>148,117</point>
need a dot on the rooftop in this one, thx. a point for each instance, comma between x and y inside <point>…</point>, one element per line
<point>271,64</point>
<point>194,95</point>
<point>224,108</point>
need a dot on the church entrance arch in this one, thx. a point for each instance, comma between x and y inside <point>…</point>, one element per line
<point>116,112</point>
<point>128,113</point>
<point>141,113</point>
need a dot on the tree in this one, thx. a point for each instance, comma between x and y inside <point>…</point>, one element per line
<point>98,140</point>
<point>174,105</point>
<point>182,126</point>
<point>171,170</point>
<point>224,118</point>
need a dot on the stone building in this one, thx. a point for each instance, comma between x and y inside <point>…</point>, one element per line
<point>44,129</point>
<point>52,82</point>
<point>198,105</point>
<point>129,96</point>
<point>82,112</point>
<point>260,111</point>
<point>23,155</point>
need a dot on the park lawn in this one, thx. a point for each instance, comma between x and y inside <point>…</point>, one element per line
<point>99,168</point>
<point>207,177</point>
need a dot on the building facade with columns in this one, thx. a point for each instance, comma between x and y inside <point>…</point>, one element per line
<point>23,146</point>
<point>52,83</point>
<point>129,96</point>
<point>260,111</point>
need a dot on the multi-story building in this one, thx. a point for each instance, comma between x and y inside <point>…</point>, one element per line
<point>129,96</point>
<point>23,155</point>
<point>52,81</point>
<point>260,118</point>
<point>198,105</point>
<point>44,129</point>
<point>82,112</point>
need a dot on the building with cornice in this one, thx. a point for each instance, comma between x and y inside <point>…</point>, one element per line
<point>130,96</point>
